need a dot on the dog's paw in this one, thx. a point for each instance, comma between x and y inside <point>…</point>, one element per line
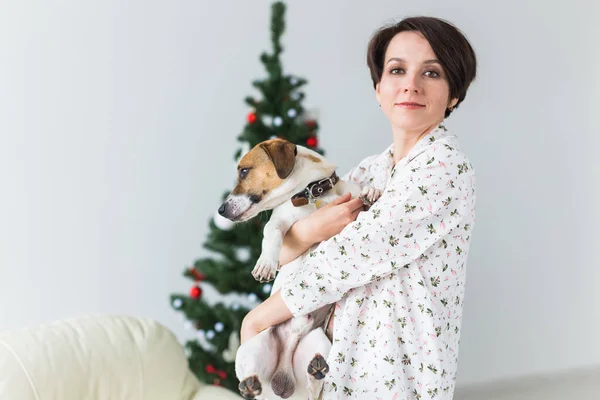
<point>250,387</point>
<point>318,367</point>
<point>370,195</point>
<point>265,269</point>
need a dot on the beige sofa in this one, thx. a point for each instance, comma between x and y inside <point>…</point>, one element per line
<point>99,358</point>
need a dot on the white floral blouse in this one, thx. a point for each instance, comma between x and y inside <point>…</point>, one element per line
<point>397,274</point>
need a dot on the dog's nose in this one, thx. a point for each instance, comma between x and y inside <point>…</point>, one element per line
<point>222,209</point>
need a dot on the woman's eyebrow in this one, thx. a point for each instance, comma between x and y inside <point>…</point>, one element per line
<point>432,61</point>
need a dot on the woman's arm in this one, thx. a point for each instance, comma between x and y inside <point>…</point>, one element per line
<point>270,312</point>
<point>324,223</point>
<point>295,242</point>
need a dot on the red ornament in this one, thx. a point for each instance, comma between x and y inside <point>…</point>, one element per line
<point>210,369</point>
<point>312,141</point>
<point>195,292</point>
<point>222,374</point>
<point>197,275</point>
<point>252,117</point>
<point>311,123</point>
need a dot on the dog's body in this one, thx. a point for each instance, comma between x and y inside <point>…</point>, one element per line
<point>290,356</point>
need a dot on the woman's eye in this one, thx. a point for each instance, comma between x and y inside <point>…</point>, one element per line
<point>432,74</point>
<point>396,71</point>
<point>244,172</point>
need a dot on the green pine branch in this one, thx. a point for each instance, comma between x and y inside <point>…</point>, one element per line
<point>278,112</point>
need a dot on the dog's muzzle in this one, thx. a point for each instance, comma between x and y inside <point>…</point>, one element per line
<point>235,207</point>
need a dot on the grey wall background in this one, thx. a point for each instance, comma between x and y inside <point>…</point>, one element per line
<point>117,131</point>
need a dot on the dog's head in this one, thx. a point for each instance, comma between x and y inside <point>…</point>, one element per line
<point>260,173</point>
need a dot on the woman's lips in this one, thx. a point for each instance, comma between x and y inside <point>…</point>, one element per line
<point>409,105</point>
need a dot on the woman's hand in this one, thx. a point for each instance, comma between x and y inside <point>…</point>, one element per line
<point>332,218</point>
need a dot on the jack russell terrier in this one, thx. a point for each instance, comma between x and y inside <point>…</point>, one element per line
<point>293,181</point>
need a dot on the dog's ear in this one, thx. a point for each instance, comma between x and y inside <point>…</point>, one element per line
<point>283,155</point>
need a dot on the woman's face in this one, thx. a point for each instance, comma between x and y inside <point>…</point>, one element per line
<point>413,91</point>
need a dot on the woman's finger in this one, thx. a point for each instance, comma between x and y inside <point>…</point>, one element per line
<point>342,199</point>
<point>355,204</point>
<point>355,213</point>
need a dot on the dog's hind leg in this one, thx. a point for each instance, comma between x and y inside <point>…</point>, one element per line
<point>255,362</point>
<point>310,362</point>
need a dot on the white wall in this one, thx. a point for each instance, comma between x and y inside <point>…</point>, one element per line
<point>117,132</point>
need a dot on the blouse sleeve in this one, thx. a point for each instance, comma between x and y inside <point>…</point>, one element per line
<point>361,174</point>
<point>420,205</point>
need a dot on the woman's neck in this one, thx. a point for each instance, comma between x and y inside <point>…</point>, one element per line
<point>405,140</point>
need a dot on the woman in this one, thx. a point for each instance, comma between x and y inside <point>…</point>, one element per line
<point>396,271</point>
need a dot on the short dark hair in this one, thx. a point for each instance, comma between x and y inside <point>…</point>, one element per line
<point>449,44</point>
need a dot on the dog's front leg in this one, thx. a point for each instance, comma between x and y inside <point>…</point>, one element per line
<point>268,262</point>
<point>367,194</point>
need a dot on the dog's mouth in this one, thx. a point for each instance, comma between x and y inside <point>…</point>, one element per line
<point>246,215</point>
<point>241,208</point>
<point>252,210</point>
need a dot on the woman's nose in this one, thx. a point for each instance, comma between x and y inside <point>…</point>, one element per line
<point>411,84</point>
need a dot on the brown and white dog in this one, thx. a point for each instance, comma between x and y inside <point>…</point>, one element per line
<point>293,181</point>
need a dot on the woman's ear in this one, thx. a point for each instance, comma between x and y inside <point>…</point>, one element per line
<point>377,94</point>
<point>452,103</point>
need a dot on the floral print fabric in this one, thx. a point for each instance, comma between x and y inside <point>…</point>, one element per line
<point>397,274</point>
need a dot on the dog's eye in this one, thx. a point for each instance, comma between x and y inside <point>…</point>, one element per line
<point>244,172</point>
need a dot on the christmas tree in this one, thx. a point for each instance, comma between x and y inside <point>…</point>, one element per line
<point>236,247</point>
